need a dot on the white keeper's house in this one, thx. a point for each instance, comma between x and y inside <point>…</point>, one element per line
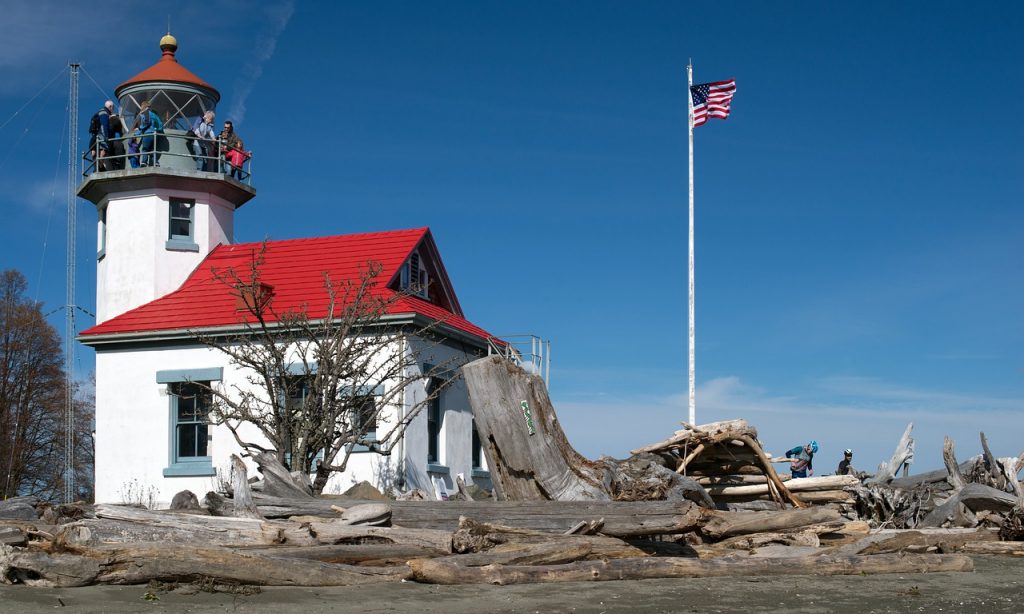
<point>163,231</point>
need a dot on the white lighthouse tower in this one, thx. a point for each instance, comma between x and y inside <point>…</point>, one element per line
<point>156,223</point>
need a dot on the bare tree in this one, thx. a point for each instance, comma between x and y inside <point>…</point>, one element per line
<point>317,388</point>
<point>32,401</point>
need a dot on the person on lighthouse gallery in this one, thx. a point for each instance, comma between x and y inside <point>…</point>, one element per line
<point>150,126</point>
<point>203,144</point>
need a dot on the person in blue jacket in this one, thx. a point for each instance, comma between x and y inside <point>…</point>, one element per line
<point>802,461</point>
<point>150,126</point>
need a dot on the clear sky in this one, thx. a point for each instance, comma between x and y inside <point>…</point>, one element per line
<point>859,224</point>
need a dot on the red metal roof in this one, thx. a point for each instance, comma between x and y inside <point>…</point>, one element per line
<point>295,269</point>
<point>167,69</point>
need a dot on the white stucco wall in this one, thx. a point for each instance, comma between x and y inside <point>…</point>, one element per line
<point>136,266</point>
<point>133,429</point>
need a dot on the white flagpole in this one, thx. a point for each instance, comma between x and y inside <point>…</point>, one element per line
<point>693,376</point>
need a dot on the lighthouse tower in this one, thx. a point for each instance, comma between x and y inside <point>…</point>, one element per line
<point>156,223</point>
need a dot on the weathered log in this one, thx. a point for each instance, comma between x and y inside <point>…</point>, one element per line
<point>352,554</point>
<point>621,518</point>
<point>780,489</point>
<point>13,536</point>
<point>954,477</point>
<point>1004,548</point>
<point>138,564</point>
<point>474,536</point>
<point>525,554</point>
<point>903,455</point>
<point>122,524</point>
<point>245,507</point>
<point>19,508</point>
<point>372,514</point>
<point>994,469</point>
<point>726,524</point>
<point>931,478</point>
<point>1011,467</point>
<point>643,477</point>
<point>916,541</point>
<point>829,482</point>
<point>697,434</point>
<point>756,540</point>
<point>737,480</point>
<point>447,572</point>
<point>278,481</point>
<point>528,455</point>
<point>338,532</point>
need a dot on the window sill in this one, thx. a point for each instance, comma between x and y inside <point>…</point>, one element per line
<point>480,473</point>
<point>183,470</point>
<point>181,245</point>
<point>438,469</point>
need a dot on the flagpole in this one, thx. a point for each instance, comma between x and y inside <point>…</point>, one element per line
<point>692,373</point>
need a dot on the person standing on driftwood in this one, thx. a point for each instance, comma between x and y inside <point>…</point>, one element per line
<point>802,457</point>
<point>845,468</point>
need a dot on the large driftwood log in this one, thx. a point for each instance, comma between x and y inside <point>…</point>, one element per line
<point>692,436</point>
<point>448,572</point>
<point>998,480</point>
<point>19,508</point>
<point>737,480</point>
<point>377,553</point>
<point>278,481</point>
<point>244,505</point>
<point>475,537</point>
<point>124,524</point>
<point>726,524</point>
<point>528,455</point>
<point>138,564</point>
<point>954,477</point>
<point>933,479</point>
<point>621,518</point>
<point>903,455</point>
<point>553,553</point>
<point>945,541</point>
<point>829,482</point>
<point>339,532</point>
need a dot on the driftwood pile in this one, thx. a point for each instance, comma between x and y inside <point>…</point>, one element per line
<point>705,502</point>
<point>448,543</point>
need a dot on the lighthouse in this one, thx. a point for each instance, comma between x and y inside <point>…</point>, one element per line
<point>157,223</point>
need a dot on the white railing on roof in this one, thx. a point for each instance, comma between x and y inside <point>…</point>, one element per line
<point>529,352</point>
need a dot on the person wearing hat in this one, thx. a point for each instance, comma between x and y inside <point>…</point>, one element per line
<point>845,467</point>
<point>802,457</point>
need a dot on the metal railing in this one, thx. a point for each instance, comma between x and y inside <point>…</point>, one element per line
<point>530,352</point>
<point>173,149</point>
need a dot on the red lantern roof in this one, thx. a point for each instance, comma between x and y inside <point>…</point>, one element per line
<point>168,69</point>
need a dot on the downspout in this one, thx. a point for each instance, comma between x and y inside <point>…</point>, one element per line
<point>400,481</point>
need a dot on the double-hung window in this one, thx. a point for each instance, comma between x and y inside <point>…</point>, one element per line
<point>189,426</point>
<point>191,421</point>
<point>365,411</point>
<point>435,422</point>
<point>181,225</point>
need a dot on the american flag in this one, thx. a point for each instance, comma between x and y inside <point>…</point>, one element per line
<point>712,100</point>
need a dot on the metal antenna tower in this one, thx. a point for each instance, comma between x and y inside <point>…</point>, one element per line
<point>70,307</point>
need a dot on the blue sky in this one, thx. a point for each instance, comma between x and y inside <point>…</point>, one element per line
<point>859,228</point>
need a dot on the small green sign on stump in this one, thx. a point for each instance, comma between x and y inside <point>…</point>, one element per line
<point>529,417</point>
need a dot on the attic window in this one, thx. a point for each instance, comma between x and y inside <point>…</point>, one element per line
<point>251,298</point>
<point>414,277</point>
